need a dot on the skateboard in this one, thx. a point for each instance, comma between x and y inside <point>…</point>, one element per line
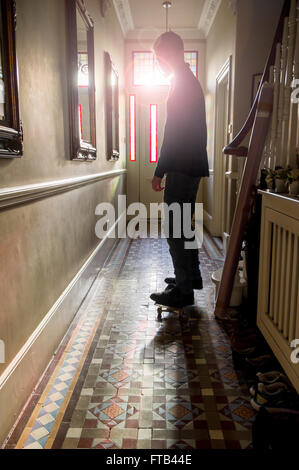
<point>164,308</point>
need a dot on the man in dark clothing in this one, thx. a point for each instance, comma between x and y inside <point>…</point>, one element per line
<point>183,158</point>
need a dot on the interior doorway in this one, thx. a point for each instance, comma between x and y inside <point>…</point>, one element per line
<point>222,186</point>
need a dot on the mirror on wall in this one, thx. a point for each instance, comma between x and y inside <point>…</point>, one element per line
<point>2,84</point>
<point>81,81</point>
<point>112,111</point>
<point>11,135</point>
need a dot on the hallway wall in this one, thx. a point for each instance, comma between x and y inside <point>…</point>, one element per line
<point>256,25</point>
<point>220,45</point>
<point>46,241</point>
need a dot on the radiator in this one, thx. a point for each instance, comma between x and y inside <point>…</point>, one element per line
<point>278,297</point>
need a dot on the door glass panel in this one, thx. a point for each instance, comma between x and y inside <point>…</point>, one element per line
<point>114,83</point>
<point>132,126</point>
<point>153,134</point>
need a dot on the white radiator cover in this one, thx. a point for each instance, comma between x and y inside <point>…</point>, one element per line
<point>278,296</point>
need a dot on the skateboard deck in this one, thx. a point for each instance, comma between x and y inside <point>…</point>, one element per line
<point>164,308</point>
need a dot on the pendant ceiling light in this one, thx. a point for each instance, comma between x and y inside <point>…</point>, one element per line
<point>167,5</point>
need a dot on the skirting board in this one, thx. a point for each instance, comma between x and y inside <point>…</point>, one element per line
<point>208,221</point>
<point>22,374</point>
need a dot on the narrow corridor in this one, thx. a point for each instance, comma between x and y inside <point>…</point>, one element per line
<point>121,379</point>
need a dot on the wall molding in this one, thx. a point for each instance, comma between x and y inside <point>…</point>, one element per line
<point>208,15</point>
<point>22,373</point>
<point>124,15</point>
<point>21,194</point>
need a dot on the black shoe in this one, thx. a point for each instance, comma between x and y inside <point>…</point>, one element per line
<point>172,297</point>
<point>196,284</point>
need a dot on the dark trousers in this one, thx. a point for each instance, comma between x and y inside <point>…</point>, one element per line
<point>181,188</point>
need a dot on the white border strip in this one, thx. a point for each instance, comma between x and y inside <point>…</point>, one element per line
<point>124,15</point>
<point>31,340</point>
<point>208,15</point>
<point>20,194</point>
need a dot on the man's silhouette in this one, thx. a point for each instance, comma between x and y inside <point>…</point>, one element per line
<point>183,158</point>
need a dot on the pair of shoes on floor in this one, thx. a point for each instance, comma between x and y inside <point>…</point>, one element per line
<point>247,342</point>
<point>243,344</point>
<point>243,333</point>
<point>253,361</point>
<point>196,283</point>
<point>272,377</point>
<point>275,395</point>
<point>173,297</point>
<point>260,359</point>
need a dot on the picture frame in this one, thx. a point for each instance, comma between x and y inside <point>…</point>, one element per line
<point>82,148</point>
<point>11,130</point>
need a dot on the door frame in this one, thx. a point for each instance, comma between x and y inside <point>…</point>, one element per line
<point>220,199</point>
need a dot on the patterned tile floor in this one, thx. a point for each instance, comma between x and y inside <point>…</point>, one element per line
<point>121,379</point>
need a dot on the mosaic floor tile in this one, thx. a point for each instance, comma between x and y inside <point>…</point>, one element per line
<point>178,411</point>
<point>112,412</point>
<point>240,411</point>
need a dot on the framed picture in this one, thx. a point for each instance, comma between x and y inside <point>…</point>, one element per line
<point>112,113</point>
<point>11,131</point>
<point>256,80</point>
<point>81,81</point>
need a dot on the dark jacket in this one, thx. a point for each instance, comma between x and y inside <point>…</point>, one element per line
<point>185,134</point>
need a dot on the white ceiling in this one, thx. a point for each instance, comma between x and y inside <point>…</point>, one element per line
<point>192,19</point>
<point>150,13</point>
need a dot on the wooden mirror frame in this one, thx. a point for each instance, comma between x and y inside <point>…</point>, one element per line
<point>80,150</point>
<point>11,132</point>
<point>111,112</point>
